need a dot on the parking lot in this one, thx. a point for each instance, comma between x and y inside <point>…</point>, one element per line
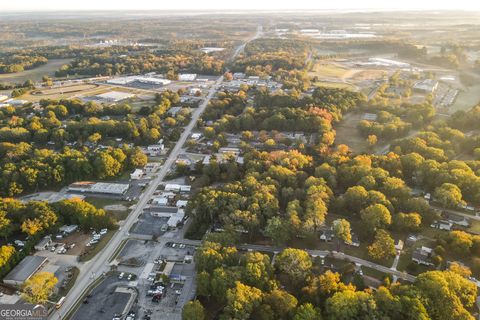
<point>149,225</point>
<point>111,297</point>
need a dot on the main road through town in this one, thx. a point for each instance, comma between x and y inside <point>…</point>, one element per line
<point>100,263</point>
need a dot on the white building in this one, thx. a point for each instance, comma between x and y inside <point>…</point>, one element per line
<point>141,79</point>
<point>181,203</point>
<point>177,187</point>
<point>196,136</point>
<point>154,149</point>
<point>114,96</point>
<point>15,102</point>
<point>160,201</point>
<point>99,187</point>
<point>187,76</point>
<point>137,174</point>
<point>426,86</point>
<point>3,98</point>
<point>175,215</point>
<point>194,91</point>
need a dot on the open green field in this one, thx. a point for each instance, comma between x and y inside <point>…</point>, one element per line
<point>348,133</point>
<point>35,74</point>
<point>336,85</point>
<point>328,70</point>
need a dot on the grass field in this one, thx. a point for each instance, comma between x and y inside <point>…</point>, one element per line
<point>65,92</point>
<point>347,133</point>
<point>98,247</point>
<point>467,99</point>
<point>70,91</point>
<point>338,85</point>
<point>325,69</point>
<point>34,74</point>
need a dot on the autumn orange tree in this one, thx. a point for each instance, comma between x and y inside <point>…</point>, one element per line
<point>39,287</point>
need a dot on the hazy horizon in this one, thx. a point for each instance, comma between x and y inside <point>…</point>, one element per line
<point>190,5</point>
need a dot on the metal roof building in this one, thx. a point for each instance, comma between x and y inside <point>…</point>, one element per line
<point>24,270</point>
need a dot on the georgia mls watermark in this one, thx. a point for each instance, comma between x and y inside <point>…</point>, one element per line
<point>23,312</point>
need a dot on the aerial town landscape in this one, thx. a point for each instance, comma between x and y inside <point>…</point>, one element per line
<point>295,165</point>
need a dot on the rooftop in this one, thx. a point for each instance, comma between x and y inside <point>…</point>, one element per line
<point>25,269</point>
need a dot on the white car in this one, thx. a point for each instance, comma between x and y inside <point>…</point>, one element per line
<point>103,231</point>
<point>120,276</point>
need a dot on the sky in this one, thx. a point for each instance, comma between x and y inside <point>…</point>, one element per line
<point>74,5</point>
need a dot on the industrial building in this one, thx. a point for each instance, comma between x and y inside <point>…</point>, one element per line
<point>24,270</point>
<point>99,187</point>
<point>175,215</point>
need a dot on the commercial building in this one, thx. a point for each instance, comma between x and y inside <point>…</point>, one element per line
<point>68,229</point>
<point>150,80</point>
<point>114,96</point>
<point>175,215</point>
<point>152,167</point>
<point>99,187</point>
<point>426,86</point>
<point>24,270</point>
<point>137,174</point>
<point>43,244</point>
<point>187,76</point>
<point>211,49</point>
<point>177,187</point>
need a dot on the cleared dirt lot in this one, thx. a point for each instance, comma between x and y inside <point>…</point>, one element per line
<point>80,239</point>
<point>135,252</point>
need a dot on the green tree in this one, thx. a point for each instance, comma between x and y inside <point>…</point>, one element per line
<point>278,229</point>
<point>447,295</point>
<point>341,228</point>
<point>281,302</point>
<point>193,310</point>
<point>449,195</point>
<point>294,263</point>
<point>408,221</point>
<point>348,304</point>
<point>307,312</point>
<point>242,300</point>
<point>376,216</point>
<point>383,246</point>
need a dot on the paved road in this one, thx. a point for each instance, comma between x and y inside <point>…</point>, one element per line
<point>319,253</point>
<point>458,213</point>
<point>92,269</point>
<point>100,263</point>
